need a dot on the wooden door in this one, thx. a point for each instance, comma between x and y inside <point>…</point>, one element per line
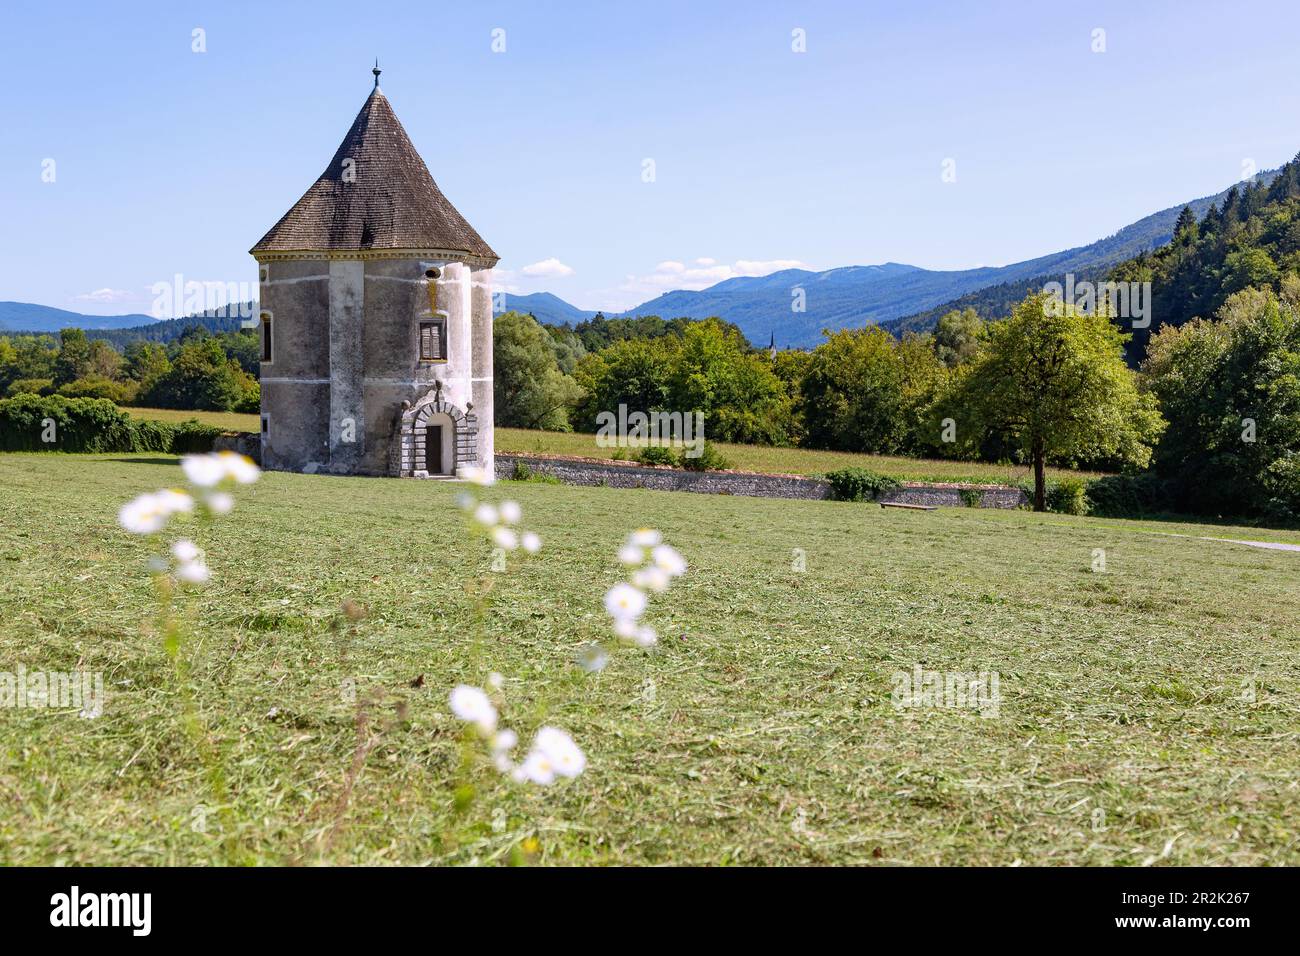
<point>433,449</point>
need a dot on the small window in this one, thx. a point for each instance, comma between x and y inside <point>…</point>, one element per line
<point>266,427</point>
<point>266,336</point>
<point>433,341</point>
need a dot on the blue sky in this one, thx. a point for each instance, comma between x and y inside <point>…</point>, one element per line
<point>170,161</point>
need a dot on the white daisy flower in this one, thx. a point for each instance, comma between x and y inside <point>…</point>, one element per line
<point>631,555</point>
<point>184,550</point>
<point>531,542</point>
<point>478,476</point>
<point>238,467</point>
<point>193,572</point>
<point>645,637</point>
<point>625,627</point>
<point>485,515</point>
<point>652,578</point>
<point>511,513</point>
<point>142,515</point>
<point>173,502</point>
<point>470,704</point>
<point>496,680</point>
<point>592,658</point>
<point>220,502</point>
<point>624,601</point>
<point>505,537</point>
<point>669,559</point>
<point>559,749</point>
<point>644,537</point>
<point>502,743</point>
<point>465,501</point>
<point>149,512</point>
<point>536,768</point>
<point>203,470</point>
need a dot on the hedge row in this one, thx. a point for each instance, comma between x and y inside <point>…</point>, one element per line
<point>860,484</point>
<point>56,423</point>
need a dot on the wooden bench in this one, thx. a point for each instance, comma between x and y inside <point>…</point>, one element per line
<point>900,504</point>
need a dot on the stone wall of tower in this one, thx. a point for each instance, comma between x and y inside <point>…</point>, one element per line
<point>399,295</point>
<point>296,382</point>
<point>347,324</point>
<point>481,366</point>
<point>346,359</point>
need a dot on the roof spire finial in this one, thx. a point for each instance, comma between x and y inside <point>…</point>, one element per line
<point>376,71</point>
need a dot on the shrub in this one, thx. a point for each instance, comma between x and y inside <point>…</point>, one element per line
<point>1129,496</point>
<point>97,386</point>
<point>1067,496</point>
<point>92,425</point>
<point>524,472</point>
<point>859,484</point>
<point>190,436</point>
<point>656,455</point>
<point>30,386</point>
<point>971,497</point>
<point>709,459</point>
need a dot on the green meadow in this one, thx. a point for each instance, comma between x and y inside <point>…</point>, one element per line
<point>1148,710</point>
<point>786,461</point>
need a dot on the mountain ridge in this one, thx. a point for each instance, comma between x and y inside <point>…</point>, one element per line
<point>30,317</point>
<point>894,295</point>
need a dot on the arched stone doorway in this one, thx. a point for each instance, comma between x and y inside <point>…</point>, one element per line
<point>437,439</point>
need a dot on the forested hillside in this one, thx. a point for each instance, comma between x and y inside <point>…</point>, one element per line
<point>1251,240</point>
<point>1089,263</point>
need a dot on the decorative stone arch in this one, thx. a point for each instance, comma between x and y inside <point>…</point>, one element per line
<point>411,439</point>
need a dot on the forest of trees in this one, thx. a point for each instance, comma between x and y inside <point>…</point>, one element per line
<point>1201,411</point>
<point>199,370</point>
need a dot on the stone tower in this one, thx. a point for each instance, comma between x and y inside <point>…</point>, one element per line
<point>375,314</point>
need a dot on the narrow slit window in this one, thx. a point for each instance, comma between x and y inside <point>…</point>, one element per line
<point>266,336</point>
<point>433,341</point>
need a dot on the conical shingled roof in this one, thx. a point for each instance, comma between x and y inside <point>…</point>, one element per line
<point>391,201</point>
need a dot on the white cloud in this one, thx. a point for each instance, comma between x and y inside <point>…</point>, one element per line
<point>551,268</point>
<point>107,295</point>
<point>505,280</point>
<point>671,275</point>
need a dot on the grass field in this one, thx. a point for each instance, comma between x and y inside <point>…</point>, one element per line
<point>231,421</point>
<point>1148,714</point>
<point>791,461</point>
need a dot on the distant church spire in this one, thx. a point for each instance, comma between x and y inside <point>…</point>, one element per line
<point>376,71</point>
<point>771,348</point>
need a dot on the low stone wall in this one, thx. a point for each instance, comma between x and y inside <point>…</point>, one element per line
<point>950,496</point>
<point>582,471</point>
<point>612,474</point>
<point>245,443</point>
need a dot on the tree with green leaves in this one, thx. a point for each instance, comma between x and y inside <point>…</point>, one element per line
<point>1185,229</point>
<point>631,372</point>
<point>146,362</point>
<point>202,377</point>
<point>1053,380</point>
<point>956,336</point>
<point>528,388</point>
<point>715,371</point>
<point>1231,390</point>
<point>853,393</point>
<point>73,360</point>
